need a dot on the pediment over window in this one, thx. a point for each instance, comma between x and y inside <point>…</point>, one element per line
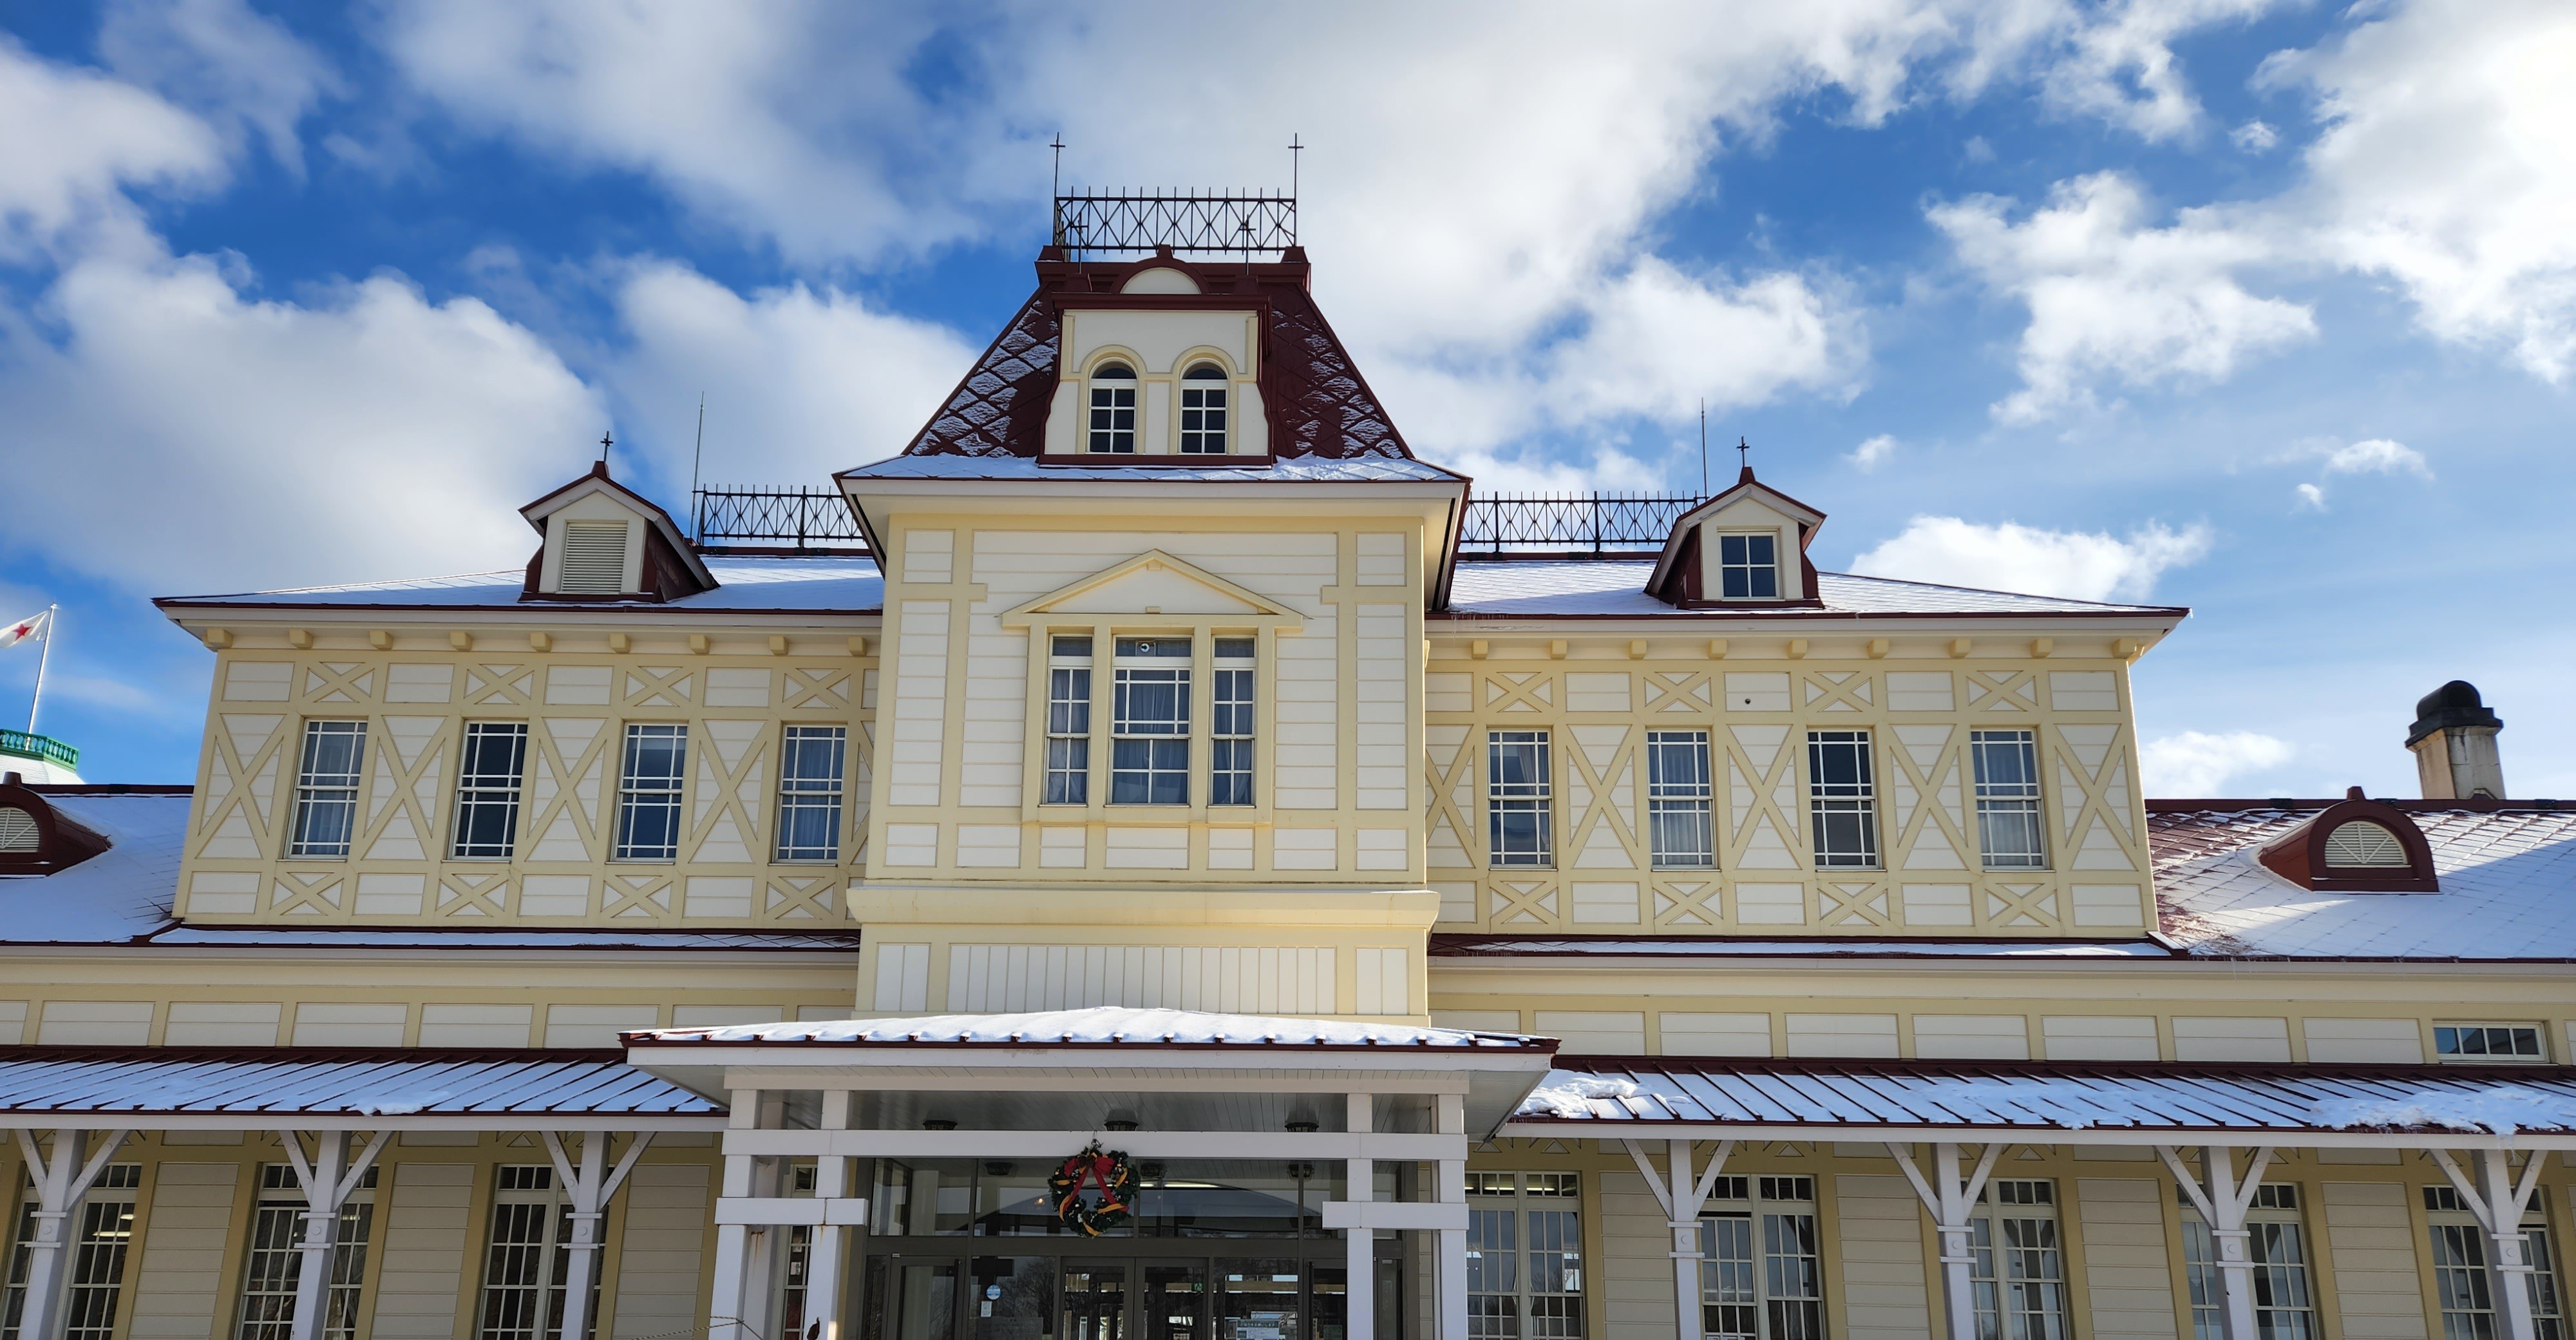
<point>1155,584</point>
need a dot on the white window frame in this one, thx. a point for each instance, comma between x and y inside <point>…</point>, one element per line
<point>1751,568</point>
<point>2476,1042</point>
<point>1534,796</point>
<point>2451,1225</point>
<point>272,1258</point>
<point>1857,799</point>
<point>2004,805</point>
<point>1100,396</point>
<point>638,794</point>
<point>1680,822</point>
<point>2019,1245</point>
<point>1234,699</point>
<point>1203,398</point>
<point>800,794</point>
<point>479,792</point>
<point>1525,1256</point>
<point>99,1235</point>
<point>1756,1235</point>
<point>525,1196</point>
<point>1065,772</point>
<point>1137,677</point>
<point>320,795</point>
<point>2284,1275</point>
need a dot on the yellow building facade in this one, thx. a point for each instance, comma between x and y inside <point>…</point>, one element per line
<point>1448,916</point>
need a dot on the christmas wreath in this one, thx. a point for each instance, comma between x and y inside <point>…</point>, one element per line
<point>1111,1172</point>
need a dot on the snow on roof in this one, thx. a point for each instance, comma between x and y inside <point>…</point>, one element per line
<point>115,896</point>
<point>426,937</point>
<point>819,583</point>
<point>2508,879</point>
<point>1456,946</point>
<point>1287,469</point>
<point>2053,1096</point>
<point>1616,587</point>
<point>163,1081</point>
<point>1103,1026</point>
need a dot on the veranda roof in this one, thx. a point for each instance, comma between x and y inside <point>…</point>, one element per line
<point>2055,1103</point>
<point>1099,1026</point>
<point>161,1088</point>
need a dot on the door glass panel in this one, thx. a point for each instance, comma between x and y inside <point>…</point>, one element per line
<point>925,1300</point>
<point>1011,1298</point>
<point>1175,1303</point>
<point>1095,1303</point>
<point>1260,1301</point>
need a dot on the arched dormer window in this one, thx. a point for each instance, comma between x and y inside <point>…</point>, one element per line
<point>1113,409</point>
<point>2354,846</point>
<point>1203,410</point>
<point>2359,844</point>
<point>37,839</point>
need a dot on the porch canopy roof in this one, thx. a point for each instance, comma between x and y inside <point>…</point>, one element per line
<point>2064,1103</point>
<point>308,1088</point>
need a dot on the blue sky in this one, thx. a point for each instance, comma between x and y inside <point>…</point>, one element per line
<point>2266,308</point>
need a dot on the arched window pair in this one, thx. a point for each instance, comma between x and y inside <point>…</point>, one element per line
<point>1113,410</point>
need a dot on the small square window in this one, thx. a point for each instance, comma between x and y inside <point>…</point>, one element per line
<point>1748,567</point>
<point>2488,1042</point>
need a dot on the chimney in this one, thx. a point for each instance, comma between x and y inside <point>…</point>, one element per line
<point>2454,739</point>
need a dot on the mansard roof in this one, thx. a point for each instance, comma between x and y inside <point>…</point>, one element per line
<point>1319,404</point>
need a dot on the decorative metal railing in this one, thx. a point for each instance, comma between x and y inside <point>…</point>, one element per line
<point>46,747</point>
<point>1571,523</point>
<point>1086,225</point>
<point>799,518</point>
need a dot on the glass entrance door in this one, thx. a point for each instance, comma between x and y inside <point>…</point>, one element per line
<point>1175,1301</point>
<point>1094,1302</point>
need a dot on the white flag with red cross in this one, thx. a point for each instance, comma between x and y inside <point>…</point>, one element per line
<point>31,626</point>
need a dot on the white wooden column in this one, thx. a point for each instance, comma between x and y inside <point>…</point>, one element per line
<point>1683,1194</point>
<point>590,1186</point>
<point>61,1182</point>
<point>328,1178</point>
<point>1452,1190</point>
<point>2222,1199</point>
<point>1952,1199</point>
<point>826,1258</point>
<point>2498,1201</point>
<point>726,1311</point>
<point>1359,1244</point>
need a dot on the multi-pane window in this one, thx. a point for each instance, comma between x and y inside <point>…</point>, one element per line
<point>326,788</point>
<point>1113,409</point>
<point>273,1263</point>
<point>1524,1256</point>
<point>1842,798</point>
<point>1519,799</point>
<point>1677,799</point>
<point>2465,1283</point>
<point>526,1258</point>
<point>1068,727</point>
<point>809,792</point>
<point>101,1228</point>
<point>649,787</point>
<point>1230,730</point>
<point>2488,1042</point>
<point>2019,1272</point>
<point>2007,765</point>
<point>491,765</point>
<point>1149,722</point>
<point>1748,566</point>
<point>2285,1303</point>
<point>1760,1273</point>
<point>1203,411</point>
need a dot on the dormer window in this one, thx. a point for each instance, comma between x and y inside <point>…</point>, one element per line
<point>1113,409</point>
<point>1203,406</point>
<point>2355,845</point>
<point>594,558</point>
<point>1749,566</point>
<point>2360,844</point>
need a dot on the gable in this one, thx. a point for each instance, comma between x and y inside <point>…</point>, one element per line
<point>1154,583</point>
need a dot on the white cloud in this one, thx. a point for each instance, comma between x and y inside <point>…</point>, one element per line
<point>75,139</point>
<point>1873,453</point>
<point>2195,764</point>
<point>2122,67</point>
<point>2448,164</point>
<point>2115,300</point>
<point>2376,456</point>
<point>799,381</point>
<point>2311,498</point>
<point>2255,137</point>
<point>241,70</point>
<point>2076,565</point>
<point>186,436</point>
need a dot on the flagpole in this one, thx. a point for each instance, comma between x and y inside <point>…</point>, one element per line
<point>53,615</point>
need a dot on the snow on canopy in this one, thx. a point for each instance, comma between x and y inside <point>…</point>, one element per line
<point>1106,1025</point>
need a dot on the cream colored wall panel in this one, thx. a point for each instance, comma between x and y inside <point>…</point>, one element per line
<point>1937,905</point>
<point>595,1025</point>
<point>450,1025</point>
<point>1757,692</point>
<point>1880,1237</point>
<point>1920,691</point>
<point>929,556</point>
<point>390,895</point>
<point>1457,901</point>
<point>1445,692</point>
<point>1637,1274</point>
<point>1265,979</point>
<point>2371,1245</point>
<point>2399,1041</point>
<point>1064,847</point>
<point>1593,691</point>
<point>1125,848</point>
<point>1972,1037</point>
<point>1382,849</point>
<point>1158,339</point>
<point>1306,759</point>
<point>554,895</point>
<point>13,1022</point>
<point>986,845</point>
<point>1227,849</point>
<point>416,683</point>
<point>916,756</point>
<point>717,896</point>
<point>2088,1037</point>
<point>1605,903</point>
<point>910,845</point>
<point>426,1238</point>
<point>350,1024</point>
<point>259,681</point>
<point>1382,985</point>
<point>1478,1021</point>
<point>1841,1034</point>
<point>724,1016</point>
<point>659,1262</point>
<point>1703,1034</point>
<point>728,687</point>
<point>1382,764</point>
<point>180,1278</point>
<point>2108,905</point>
<point>95,1023</point>
<point>2229,1039</point>
<point>2126,1273</point>
<point>222,1024</point>
<point>903,978</point>
<point>1304,849</point>
<point>1599,1032</point>
<point>1771,904</point>
<point>2082,691</point>
<point>1382,560</point>
<point>222,893</point>
<point>578,685</point>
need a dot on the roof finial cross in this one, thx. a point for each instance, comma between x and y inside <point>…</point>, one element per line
<point>606,441</point>
<point>1744,452</point>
